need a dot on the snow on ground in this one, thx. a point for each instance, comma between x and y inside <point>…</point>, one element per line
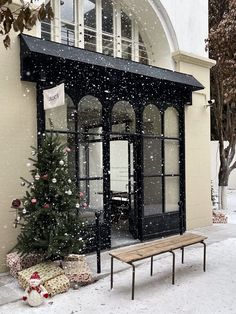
<point>194,292</point>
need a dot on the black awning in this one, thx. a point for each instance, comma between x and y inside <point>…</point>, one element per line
<point>33,46</point>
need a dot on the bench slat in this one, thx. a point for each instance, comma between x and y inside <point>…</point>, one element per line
<point>148,249</point>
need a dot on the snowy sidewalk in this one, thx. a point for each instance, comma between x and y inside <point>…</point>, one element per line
<point>194,292</point>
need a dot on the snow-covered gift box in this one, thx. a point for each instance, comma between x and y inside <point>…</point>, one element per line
<point>17,262</point>
<point>52,277</point>
<point>57,285</point>
<point>77,269</point>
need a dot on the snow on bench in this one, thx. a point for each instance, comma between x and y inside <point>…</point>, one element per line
<point>150,249</point>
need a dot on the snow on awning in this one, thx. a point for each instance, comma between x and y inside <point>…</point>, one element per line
<point>33,47</point>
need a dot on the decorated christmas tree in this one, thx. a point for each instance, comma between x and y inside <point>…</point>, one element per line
<point>49,212</point>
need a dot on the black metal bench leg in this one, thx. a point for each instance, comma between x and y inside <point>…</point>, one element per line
<point>204,256</point>
<point>173,268</point>
<point>182,249</point>
<point>133,281</point>
<point>151,265</point>
<point>111,272</point>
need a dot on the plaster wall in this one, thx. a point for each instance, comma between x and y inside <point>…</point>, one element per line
<point>189,19</point>
<point>177,28</point>
<point>17,134</point>
<point>197,144</point>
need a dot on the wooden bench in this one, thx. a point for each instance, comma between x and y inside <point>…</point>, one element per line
<point>138,252</point>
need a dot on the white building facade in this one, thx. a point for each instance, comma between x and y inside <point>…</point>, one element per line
<point>89,43</point>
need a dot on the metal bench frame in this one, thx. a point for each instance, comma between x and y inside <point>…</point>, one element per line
<point>115,254</point>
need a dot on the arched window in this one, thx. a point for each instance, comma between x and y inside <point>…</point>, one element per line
<point>96,25</point>
<point>90,153</point>
<point>90,115</point>
<point>123,118</point>
<point>172,159</point>
<point>152,160</point>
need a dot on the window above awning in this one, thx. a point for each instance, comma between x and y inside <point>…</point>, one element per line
<point>35,50</point>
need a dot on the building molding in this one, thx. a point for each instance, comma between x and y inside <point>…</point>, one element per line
<point>182,56</point>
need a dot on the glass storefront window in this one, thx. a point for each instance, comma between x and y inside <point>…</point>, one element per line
<point>105,28</point>
<point>89,114</point>
<point>152,196</point>
<point>123,118</point>
<point>152,156</point>
<point>46,27</point>
<point>171,157</point>
<point>171,122</point>
<point>90,157</point>
<point>107,16</point>
<point>90,13</point>
<point>90,40</point>
<point>67,34</point>
<point>126,26</point>
<point>171,194</point>
<point>67,11</point>
<point>151,120</point>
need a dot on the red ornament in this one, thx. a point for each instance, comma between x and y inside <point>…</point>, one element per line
<point>46,206</point>
<point>16,203</point>
<point>33,201</point>
<point>45,177</point>
<point>85,205</point>
<point>81,194</point>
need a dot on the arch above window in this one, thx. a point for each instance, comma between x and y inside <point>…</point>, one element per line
<point>151,120</point>
<point>171,117</point>
<point>123,118</point>
<point>89,115</point>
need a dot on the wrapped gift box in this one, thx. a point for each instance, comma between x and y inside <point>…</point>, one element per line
<point>219,217</point>
<point>57,285</point>
<point>46,272</point>
<point>77,270</point>
<point>17,262</point>
<point>74,257</point>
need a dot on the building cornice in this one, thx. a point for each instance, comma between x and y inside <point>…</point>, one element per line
<point>182,56</point>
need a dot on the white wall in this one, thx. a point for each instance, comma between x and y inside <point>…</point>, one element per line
<point>215,163</point>
<point>190,22</point>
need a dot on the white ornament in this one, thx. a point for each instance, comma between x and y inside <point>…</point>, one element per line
<point>37,176</point>
<point>18,218</point>
<point>61,162</point>
<point>35,292</point>
<point>24,211</point>
<point>77,205</point>
<point>69,180</point>
<point>69,192</point>
<point>54,180</point>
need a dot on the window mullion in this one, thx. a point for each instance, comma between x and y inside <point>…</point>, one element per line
<point>135,41</point>
<point>99,25</point>
<point>117,28</point>
<point>80,25</point>
<point>76,22</point>
<point>56,35</point>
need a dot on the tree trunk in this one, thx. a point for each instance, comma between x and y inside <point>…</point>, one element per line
<point>223,187</point>
<point>222,197</point>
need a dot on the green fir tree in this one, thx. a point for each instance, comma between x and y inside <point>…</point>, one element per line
<point>50,209</point>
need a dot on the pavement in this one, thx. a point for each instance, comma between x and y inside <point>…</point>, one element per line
<point>11,292</point>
